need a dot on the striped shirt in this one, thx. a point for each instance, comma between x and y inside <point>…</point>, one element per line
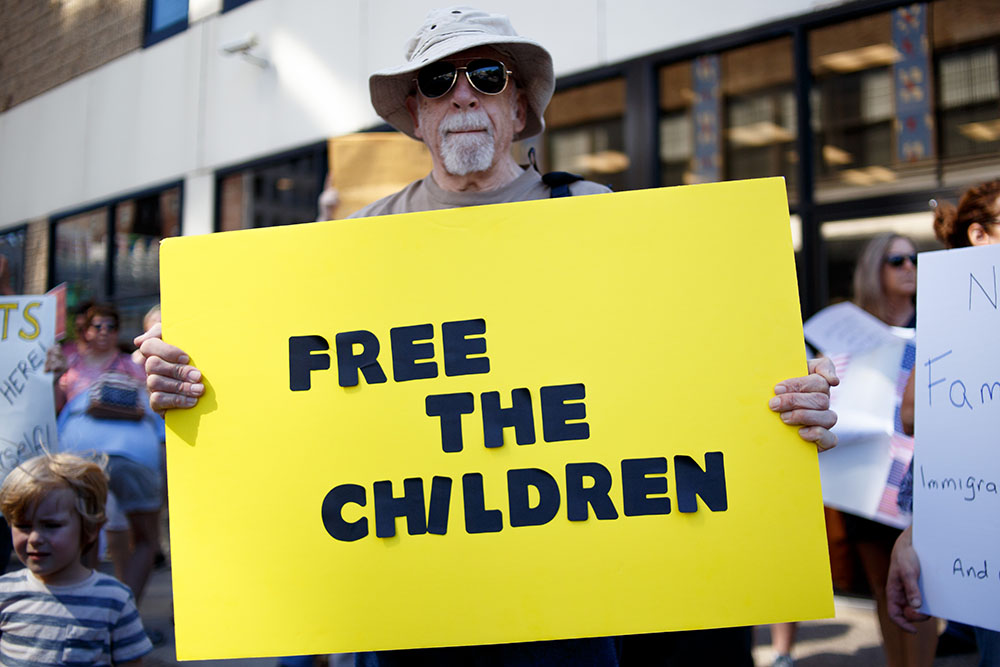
<point>94,622</point>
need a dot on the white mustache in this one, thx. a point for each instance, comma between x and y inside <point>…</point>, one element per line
<point>465,121</point>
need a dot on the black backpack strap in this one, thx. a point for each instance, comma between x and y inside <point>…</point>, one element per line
<point>559,182</point>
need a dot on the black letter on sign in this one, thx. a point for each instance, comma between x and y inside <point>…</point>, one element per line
<point>411,505</point>
<point>709,483</point>
<point>556,412</point>
<point>437,516</point>
<point>636,486</point>
<point>348,364</point>
<point>478,519</point>
<point>521,513</point>
<point>301,360</point>
<point>597,496</point>
<point>405,353</point>
<point>518,415</point>
<point>450,408</point>
<point>458,347</point>
<point>333,518</point>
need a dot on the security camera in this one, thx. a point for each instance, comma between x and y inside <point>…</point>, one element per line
<point>240,45</point>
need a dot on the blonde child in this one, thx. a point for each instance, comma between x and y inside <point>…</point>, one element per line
<point>57,611</point>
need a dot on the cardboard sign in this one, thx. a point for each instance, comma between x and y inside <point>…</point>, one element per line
<point>27,404</point>
<point>873,360</point>
<point>497,424</point>
<point>956,475</point>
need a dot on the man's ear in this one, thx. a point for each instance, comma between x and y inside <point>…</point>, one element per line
<point>411,108</point>
<point>520,112</point>
<point>977,234</point>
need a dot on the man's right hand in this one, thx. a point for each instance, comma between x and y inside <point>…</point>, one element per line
<point>171,380</point>
<point>901,588</point>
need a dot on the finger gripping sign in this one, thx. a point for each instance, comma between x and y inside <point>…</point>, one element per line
<point>506,423</point>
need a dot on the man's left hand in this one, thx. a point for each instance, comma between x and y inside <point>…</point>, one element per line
<point>805,401</point>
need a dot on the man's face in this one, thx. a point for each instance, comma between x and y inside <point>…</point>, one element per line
<point>466,130</point>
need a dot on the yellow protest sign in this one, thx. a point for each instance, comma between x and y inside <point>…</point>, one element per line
<point>495,424</point>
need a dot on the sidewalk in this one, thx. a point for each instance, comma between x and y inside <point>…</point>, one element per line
<point>851,639</point>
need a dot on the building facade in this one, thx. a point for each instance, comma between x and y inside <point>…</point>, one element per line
<point>126,121</point>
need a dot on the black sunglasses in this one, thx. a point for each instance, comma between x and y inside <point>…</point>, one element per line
<point>896,261</point>
<point>485,75</point>
<point>103,326</point>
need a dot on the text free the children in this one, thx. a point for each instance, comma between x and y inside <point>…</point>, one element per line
<point>587,485</point>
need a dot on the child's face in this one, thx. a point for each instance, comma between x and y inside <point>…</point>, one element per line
<point>48,539</point>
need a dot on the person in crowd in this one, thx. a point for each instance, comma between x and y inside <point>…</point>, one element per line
<point>975,222</point>
<point>58,611</point>
<point>885,284</point>
<point>470,86</point>
<point>76,344</point>
<point>132,444</point>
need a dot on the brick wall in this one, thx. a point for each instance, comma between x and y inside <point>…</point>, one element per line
<point>36,257</point>
<point>44,43</point>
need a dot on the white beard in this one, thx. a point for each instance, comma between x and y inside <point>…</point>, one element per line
<point>466,153</point>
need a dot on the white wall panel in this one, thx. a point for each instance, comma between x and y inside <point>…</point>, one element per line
<point>42,147</point>
<point>181,110</point>
<point>314,87</point>
<point>637,27</point>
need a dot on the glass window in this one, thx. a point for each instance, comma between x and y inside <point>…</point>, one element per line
<point>81,256</point>
<point>283,191</point>
<point>585,133</point>
<point>853,103</point>
<point>760,112</point>
<point>165,18</point>
<point>140,225</point>
<point>121,267</point>
<point>969,102</point>
<point>676,124</point>
<point>12,261</point>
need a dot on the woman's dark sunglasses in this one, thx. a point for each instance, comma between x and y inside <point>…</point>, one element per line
<point>103,326</point>
<point>896,261</point>
<point>485,75</point>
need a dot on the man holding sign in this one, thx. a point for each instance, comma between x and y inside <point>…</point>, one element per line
<point>470,88</point>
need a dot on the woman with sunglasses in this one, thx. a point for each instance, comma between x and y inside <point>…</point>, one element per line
<point>885,285</point>
<point>132,445</point>
<point>975,222</point>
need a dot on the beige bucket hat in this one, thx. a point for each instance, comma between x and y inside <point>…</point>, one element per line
<point>446,32</point>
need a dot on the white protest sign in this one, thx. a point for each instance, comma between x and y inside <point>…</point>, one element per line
<point>862,474</point>
<point>956,474</point>
<point>27,405</point>
<point>847,328</point>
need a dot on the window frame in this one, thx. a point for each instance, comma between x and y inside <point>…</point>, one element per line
<point>151,37</point>
<point>107,290</point>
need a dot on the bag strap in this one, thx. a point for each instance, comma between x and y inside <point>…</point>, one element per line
<point>559,182</point>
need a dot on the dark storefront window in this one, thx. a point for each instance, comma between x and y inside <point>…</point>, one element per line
<point>760,113</point>
<point>676,124</point>
<point>855,119</point>
<point>852,103</point>
<point>12,261</point>
<point>966,39</point>
<point>282,191</point>
<point>585,133</point>
<point>81,256</point>
<point>120,267</point>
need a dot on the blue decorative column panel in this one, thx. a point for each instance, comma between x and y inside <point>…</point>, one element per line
<point>707,77</point>
<point>911,73</point>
